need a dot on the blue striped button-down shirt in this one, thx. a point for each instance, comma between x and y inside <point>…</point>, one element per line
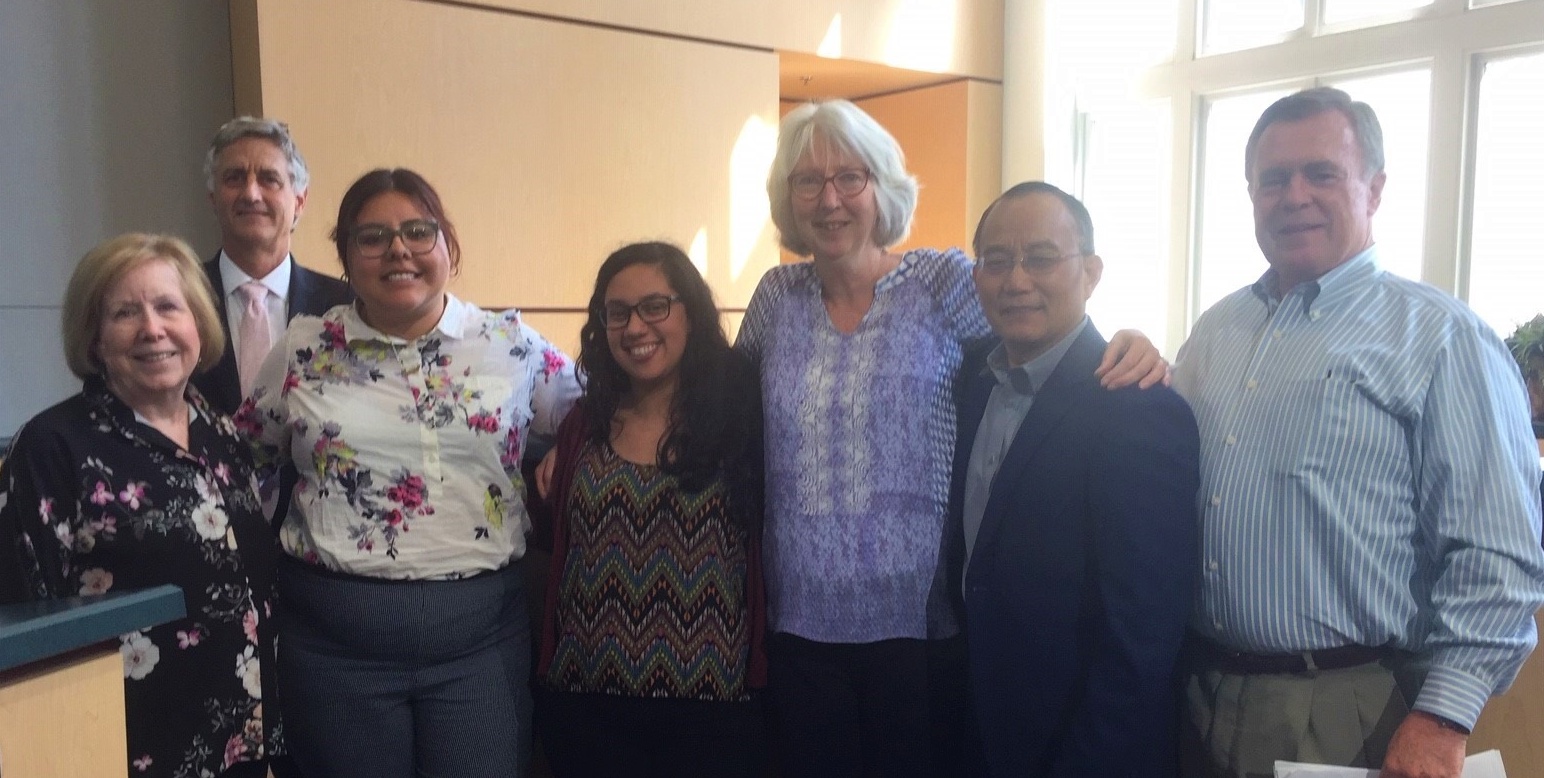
<point>1368,477</point>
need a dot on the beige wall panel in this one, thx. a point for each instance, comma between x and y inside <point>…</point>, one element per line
<point>983,151</point>
<point>1513,721</point>
<point>559,327</point>
<point>930,126</point>
<point>551,143</point>
<point>64,716</point>
<point>963,37</point>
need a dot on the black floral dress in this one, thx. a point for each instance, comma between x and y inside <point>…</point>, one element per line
<point>92,501</point>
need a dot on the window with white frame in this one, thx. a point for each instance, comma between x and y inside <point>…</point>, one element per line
<point>1148,106</point>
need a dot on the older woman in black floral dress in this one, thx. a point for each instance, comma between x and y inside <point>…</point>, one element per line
<point>135,482</point>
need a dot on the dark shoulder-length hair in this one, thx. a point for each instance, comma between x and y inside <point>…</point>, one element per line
<point>407,182</point>
<point>715,425</point>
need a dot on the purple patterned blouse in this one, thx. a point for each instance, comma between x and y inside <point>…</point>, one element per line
<point>860,439</point>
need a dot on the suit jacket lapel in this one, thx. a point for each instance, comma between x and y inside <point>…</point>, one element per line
<point>972,397</point>
<point>1062,391</point>
<point>221,386</point>
<point>299,291</point>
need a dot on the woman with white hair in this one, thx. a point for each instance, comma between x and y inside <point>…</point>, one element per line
<point>858,351</point>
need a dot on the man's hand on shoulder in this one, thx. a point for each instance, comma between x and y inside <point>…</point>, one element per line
<point>1423,747</point>
<point>1131,359</point>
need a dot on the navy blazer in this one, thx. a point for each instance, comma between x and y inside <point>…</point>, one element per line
<point>1082,576</point>
<point>309,293</point>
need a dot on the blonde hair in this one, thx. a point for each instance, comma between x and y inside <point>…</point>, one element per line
<point>102,268</point>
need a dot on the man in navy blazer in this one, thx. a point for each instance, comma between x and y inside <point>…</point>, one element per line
<point>1073,517</point>
<point>258,183</point>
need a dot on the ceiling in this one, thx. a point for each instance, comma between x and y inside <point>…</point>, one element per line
<point>811,77</point>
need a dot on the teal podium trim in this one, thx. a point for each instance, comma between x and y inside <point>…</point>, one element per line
<point>31,631</point>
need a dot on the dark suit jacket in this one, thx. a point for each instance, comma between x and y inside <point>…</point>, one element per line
<point>1082,576</point>
<point>309,293</point>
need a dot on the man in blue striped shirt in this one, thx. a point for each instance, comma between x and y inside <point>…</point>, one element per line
<point>1370,559</point>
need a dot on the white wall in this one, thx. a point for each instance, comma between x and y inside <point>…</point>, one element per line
<point>106,107</point>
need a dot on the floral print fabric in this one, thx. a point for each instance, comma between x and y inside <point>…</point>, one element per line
<point>408,451</point>
<point>94,501</point>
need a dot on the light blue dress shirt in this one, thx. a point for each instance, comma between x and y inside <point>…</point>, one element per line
<point>1368,476</point>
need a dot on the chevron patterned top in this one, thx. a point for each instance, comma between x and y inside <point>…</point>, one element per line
<point>651,600</point>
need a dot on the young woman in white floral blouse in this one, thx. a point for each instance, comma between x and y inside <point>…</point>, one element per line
<point>137,482</point>
<point>405,638</point>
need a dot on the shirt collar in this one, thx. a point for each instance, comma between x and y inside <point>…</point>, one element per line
<point>453,322</point>
<point>232,276</point>
<point>1029,377</point>
<point>113,414</point>
<point>1344,282</point>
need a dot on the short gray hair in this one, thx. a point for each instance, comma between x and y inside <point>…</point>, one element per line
<point>1312,102</point>
<point>846,128</point>
<point>275,132</point>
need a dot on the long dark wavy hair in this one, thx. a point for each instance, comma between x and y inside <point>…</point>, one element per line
<point>715,424</point>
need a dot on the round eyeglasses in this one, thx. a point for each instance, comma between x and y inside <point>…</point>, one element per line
<point>420,236</point>
<point>652,309</point>
<point>847,183</point>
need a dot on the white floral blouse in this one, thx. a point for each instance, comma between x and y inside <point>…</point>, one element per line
<point>408,451</point>
<point>93,501</point>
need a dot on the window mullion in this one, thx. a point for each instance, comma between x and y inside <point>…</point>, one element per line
<point>1447,265</point>
<point>1313,17</point>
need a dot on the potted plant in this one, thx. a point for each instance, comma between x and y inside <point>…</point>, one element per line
<point>1527,346</point>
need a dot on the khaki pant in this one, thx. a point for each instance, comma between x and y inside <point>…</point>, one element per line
<point>1237,726</point>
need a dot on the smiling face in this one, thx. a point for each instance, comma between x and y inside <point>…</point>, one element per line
<point>254,197</point>
<point>1033,311</point>
<point>1313,205</point>
<point>648,352</point>
<point>834,226</point>
<point>400,293</point>
<point>148,343</point>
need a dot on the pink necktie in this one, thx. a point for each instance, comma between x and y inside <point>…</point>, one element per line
<point>255,339</point>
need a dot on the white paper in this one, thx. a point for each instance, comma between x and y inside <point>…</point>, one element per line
<point>1482,765</point>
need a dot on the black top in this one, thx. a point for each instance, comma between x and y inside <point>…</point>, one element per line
<point>94,501</point>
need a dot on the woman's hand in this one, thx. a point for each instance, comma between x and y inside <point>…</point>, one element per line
<point>1131,359</point>
<point>544,473</point>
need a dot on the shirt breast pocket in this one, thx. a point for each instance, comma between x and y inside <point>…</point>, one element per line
<point>1339,424</point>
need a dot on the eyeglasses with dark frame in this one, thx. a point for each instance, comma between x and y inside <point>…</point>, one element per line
<point>1036,263</point>
<point>651,310</point>
<point>420,236</point>
<point>848,183</point>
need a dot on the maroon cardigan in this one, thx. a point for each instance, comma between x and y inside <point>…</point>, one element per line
<point>572,435</point>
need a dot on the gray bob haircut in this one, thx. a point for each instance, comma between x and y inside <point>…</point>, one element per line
<point>275,132</point>
<point>1312,102</point>
<point>838,125</point>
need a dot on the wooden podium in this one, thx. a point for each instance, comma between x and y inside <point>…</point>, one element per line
<point>61,681</point>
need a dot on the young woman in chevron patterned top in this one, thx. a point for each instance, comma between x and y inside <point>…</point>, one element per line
<point>651,640</point>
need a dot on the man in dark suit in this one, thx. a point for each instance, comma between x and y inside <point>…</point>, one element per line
<point>257,184</point>
<point>1073,517</point>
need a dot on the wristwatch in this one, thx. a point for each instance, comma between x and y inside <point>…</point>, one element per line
<point>1449,724</point>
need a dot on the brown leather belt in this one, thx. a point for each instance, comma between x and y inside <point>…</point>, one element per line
<point>1216,656</point>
